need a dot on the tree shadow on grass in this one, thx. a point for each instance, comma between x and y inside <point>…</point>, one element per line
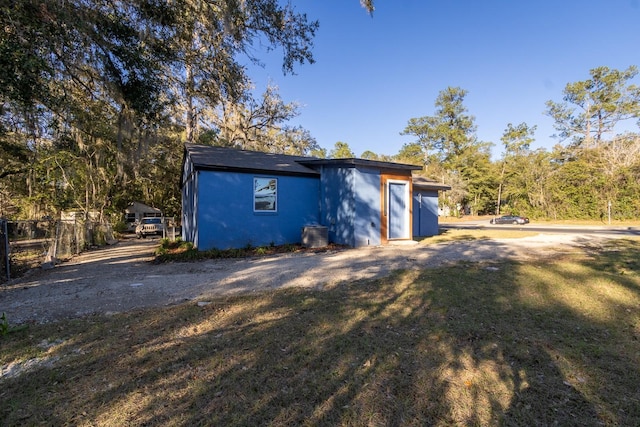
<point>474,344</point>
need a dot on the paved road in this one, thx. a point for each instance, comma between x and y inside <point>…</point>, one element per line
<point>559,229</point>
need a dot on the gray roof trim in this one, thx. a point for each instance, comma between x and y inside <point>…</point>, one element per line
<point>353,162</point>
<point>420,183</point>
<point>206,157</point>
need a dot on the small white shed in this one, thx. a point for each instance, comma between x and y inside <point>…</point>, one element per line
<point>136,211</point>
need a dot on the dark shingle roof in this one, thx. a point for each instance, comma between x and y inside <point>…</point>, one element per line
<point>208,157</point>
<point>222,158</point>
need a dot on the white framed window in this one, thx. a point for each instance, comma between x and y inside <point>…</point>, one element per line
<point>265,194</point>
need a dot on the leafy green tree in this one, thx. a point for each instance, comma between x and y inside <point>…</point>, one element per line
<point>410,153</point>
<point>474,166</point>
<point>369,155</point>
<point>320,153</point>
<point>14,157</point>
<point>524,191</point>
<point>449,132</point>
<point>260,126</point>
<point>516,141</point>
<point>592,108</point>
<point>448,138</point>
<point>210,39</point>
<point>626,203</point>
<point>368,5</point>
<point>292,140</point>
<point>341,150</point>
<point>101,84</point>
<point>588,117</point>
<point>574,190</point>
<point>455,198</point>
<point>613,163</point>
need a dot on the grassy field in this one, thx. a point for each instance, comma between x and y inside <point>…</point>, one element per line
<point>501,344</point>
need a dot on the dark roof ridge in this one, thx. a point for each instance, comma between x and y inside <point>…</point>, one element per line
<point>422,182</point>
<point>228,158</point>
<point>211,157</point>
<point>353,161</point>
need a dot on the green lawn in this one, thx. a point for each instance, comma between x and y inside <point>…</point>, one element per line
<point>475,344</point>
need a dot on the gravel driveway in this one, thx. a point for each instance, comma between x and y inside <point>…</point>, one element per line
<point>122,277</point>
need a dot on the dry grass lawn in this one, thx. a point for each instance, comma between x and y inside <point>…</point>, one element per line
<point>501,344</point>
<point>466,234</point>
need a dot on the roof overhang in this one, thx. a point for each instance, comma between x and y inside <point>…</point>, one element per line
<point>424,184</point>
<point>353,162</point>
<point>203,167</point>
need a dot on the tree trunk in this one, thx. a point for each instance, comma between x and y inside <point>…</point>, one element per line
<point>191,115</point>
<point>504,167</point>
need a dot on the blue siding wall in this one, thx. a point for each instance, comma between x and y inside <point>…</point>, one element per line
<point>367,203</point>
<point>225,216</point>
<point>425,213</point>
<point>338,204</point>
<point>350,205</point>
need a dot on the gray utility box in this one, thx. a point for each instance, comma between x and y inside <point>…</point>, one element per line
<point>315,236</point>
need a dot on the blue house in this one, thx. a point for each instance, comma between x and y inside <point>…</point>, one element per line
<point>236,198</point>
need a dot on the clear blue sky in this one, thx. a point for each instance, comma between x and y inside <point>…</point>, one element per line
<point>372,74</point>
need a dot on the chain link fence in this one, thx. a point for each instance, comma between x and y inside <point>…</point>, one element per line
<point>29,244</point>
<point>5,271</point>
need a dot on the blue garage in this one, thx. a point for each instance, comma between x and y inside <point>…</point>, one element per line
<point>237,198</point>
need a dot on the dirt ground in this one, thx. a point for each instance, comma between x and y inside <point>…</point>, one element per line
<point>123,277</point>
